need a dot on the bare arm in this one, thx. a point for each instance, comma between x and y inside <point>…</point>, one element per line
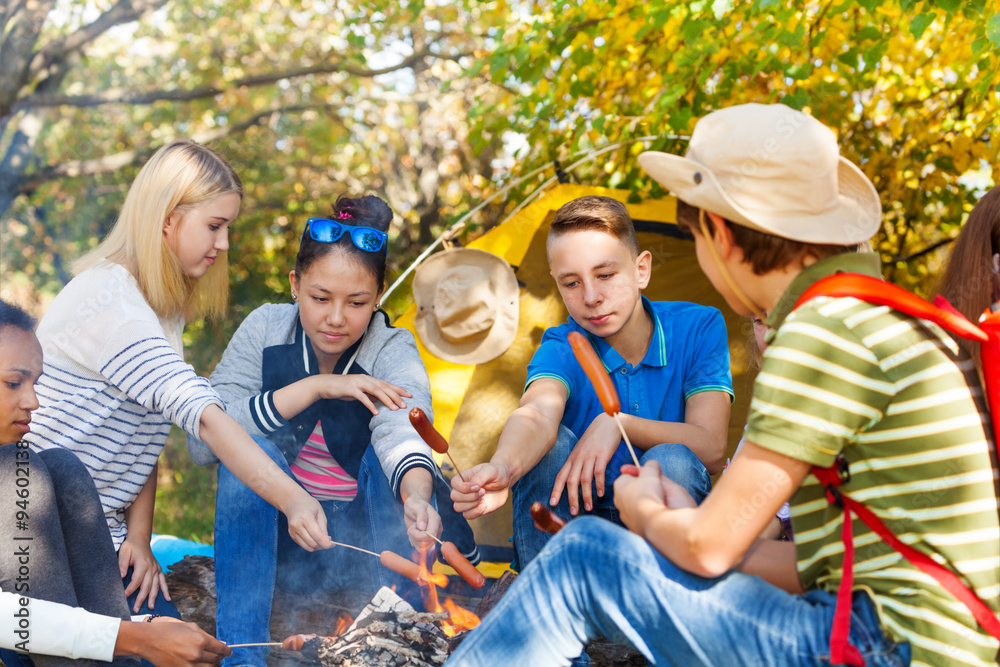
<point>711,538</point>
<point>527,436</point>
<point>296,397</point>
<point>238,451</point>
<point>416,489</point>
<point>775,563</point>
<point>531,430</point>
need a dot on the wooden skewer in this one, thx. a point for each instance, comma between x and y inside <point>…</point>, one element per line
<point>631,450</point>
<point>255,644</point>
<point>455,465</point>
<point>351,546</point>
<point>433,538</point>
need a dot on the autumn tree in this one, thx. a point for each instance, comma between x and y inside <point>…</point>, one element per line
<point>308,99</point>
<point>910,88</point>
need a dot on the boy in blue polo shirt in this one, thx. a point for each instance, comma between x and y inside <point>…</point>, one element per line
<point>669,362</point>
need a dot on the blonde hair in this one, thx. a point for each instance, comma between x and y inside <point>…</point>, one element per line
<point>179,177</point>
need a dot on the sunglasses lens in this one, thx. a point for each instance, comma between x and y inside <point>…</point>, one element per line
<point>367,239</point>
<point>325,231</point>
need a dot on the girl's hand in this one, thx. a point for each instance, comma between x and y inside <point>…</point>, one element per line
<point>147,576</point>
<point>169,642</point>
<point>362,388</point>
<point>421,518</point>
<point>485,491</point>
<point>307,522</point>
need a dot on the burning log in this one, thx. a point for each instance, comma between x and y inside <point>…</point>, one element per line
<point>495,593</point>
<point>388,632</point>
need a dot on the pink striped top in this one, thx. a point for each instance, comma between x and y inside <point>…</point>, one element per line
<point>320,473</point>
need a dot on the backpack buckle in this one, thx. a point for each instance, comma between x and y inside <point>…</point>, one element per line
<point>833,496</point>
<point>843,469</point>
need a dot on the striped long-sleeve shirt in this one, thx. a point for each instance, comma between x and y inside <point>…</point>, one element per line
<point>895,396</point>
<point>114,380</point>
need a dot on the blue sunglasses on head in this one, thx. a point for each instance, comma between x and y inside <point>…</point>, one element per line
<point>325,230</point>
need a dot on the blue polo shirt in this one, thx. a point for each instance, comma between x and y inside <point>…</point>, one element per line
<point>688,354</point>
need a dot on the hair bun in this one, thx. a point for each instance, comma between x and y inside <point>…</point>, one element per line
<point>367,211</point>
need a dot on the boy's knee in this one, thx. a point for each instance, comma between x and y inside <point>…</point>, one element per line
<point>683,466</point>
<point>588,529</point>
<point>544,472</point>
<point>674,456</point>
<point>574,543</point>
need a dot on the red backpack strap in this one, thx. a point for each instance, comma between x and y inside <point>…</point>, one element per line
<point>841,650</point>
<point>990,352</point>
<point>833,477</point>
<point>881,293</point>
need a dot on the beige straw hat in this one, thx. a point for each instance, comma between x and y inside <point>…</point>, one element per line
<point>467,305</point>
<point>773,169</point>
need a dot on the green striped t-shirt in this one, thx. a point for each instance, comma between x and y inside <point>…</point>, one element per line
<point>893,394</point>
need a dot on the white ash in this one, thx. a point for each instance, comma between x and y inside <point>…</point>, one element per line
<point>390,633</point>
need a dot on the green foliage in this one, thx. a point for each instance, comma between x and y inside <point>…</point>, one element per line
<point>909,87</point>
<point>308,100</point>
<point>185,494</point>
<point>292,94</point>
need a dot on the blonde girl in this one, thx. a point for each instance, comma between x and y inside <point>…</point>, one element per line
<point>115,378</point>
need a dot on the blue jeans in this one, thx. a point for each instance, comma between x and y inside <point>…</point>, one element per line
<point>73,559</point>
<point>163,606</point>
<point>254,553</point>
<point>676,461</point>
<point>596,579</point>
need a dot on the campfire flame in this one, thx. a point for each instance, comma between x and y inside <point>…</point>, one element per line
<point>343,623</point>
<point>459,619</point>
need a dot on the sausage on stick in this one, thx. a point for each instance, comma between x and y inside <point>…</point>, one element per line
<point>400,565</point>
<point>461,564</point>
<point>394,562</point>
<point>545,519</point>
<point>411,570</point>
<point>592,366</point>
<point>425,429</point>
<point>295,642</point>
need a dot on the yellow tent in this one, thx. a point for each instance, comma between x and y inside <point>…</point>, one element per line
<point>471,403</point>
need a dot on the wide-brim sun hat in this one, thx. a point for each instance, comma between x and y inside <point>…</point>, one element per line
<point>773,169</point>
<point>467,305</point>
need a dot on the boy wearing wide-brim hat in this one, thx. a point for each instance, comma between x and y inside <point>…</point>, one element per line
<point>774,208</point>
<point>668,361</point>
